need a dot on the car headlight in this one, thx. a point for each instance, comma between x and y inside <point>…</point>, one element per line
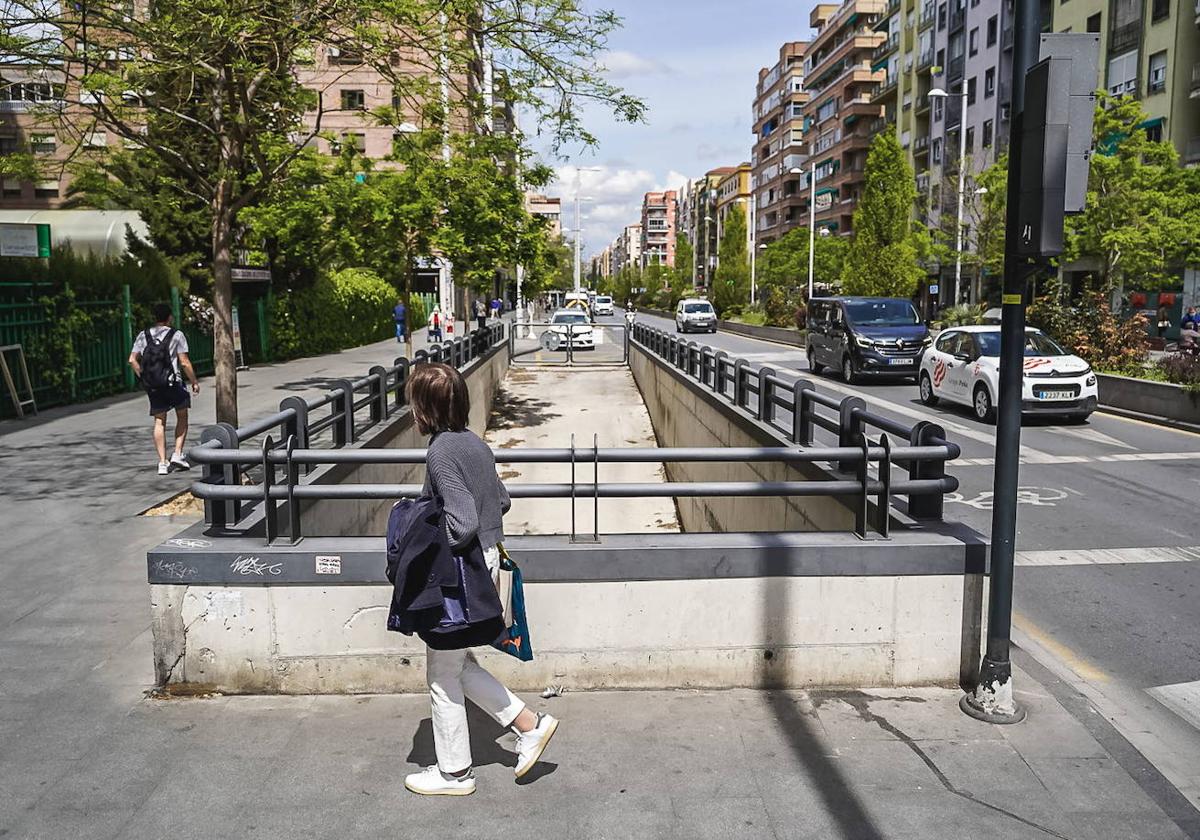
<point>926,341</point>
<point>863,342</point>
<point>1091,380</point>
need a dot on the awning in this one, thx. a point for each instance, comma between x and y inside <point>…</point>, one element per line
<point>826,190</point>
<point>99,232</point>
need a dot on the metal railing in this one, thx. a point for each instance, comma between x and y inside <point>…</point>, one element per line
<point>346,411</point>
<point>765,397</point>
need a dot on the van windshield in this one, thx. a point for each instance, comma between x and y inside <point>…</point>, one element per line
<point>697,307</point>
<point>881,313</point>
<point>603,299</point>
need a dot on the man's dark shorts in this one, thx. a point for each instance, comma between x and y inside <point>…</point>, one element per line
<point>170,398</point>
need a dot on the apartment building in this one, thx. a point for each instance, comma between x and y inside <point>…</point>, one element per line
<point>548,208</point>
<point>698,221</point>
<point>780,152</point>
<point>840,114</point>
<point>626,249</point>
<point>602,264</point>
<point>733,188</point>
<point>1149,49</point>
<point>659,214</point>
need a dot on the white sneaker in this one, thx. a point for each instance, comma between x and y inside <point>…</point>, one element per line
<point>179,462</point>
<point>531,744</point>
<point>433,782</point>
<point>163,468</point>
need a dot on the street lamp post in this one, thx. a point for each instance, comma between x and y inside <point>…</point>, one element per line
<point>812,223</point>
<point>578,228</point>
<point>962,175</point>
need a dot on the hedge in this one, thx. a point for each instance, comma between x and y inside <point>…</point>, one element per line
<point>346,309</point>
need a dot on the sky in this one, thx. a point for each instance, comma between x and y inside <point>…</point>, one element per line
<point>695,63</point>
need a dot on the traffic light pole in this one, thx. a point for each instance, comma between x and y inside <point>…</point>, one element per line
<point>993,697</point>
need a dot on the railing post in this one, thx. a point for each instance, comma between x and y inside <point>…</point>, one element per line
<point>740,369</point>
<point>883,505</point>
<point>296,429</point>
<point>220,513</point>
<point>718,385</point>
<point>270,509</point>
<point>292,471</point>
<point>343,427</point>
<point>379,394</point>
<point>766,402</point>
<point>929,506</point>
<point>849,426</point>
<point>802,424</point>
<point>402,368</point>
<point>420,357</point>
<point>862,473</point>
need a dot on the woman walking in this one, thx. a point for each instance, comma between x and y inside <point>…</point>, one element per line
<point>461,470</point>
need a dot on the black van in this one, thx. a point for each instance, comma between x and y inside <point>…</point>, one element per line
<point>865,336</point>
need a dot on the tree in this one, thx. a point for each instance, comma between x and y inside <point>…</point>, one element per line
<point>883,254</point>
<point>784,262</point>
<point>210,88</point>
<point>681,274</point>
<point>1142,209</point>
<point>731,284</point>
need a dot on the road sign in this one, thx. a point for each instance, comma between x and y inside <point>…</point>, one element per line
<point>246,274</point>
<point>24,240</point>
<point>934,288</point>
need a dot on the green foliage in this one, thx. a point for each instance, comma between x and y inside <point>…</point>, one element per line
<point>784,262</point>
<point>780,309</point>
<point>54,352</point>
<point>1182,369</point>
<point>883,254</point>
<point>415,314</point>
<point>960,316</point>
<point>731,284</point>
<point>92,277</point>
<point>1088,327</point>
<point>346,309</point>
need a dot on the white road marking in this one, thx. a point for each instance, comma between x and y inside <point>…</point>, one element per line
<point>1107,556</point>
<point>1090,435</point>
<point>1085,459</point>
<point>1181,698</point>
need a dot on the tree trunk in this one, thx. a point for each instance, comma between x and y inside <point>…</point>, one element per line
<point>224,359</point>
<point>409,270</point>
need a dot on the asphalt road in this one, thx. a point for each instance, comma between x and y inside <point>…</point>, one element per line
<point>1108,584</point>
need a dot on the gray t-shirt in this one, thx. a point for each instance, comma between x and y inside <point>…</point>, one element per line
<point>178,343</point>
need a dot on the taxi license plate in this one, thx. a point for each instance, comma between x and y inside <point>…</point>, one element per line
<point>1055,395</point>
<point>900,361</point>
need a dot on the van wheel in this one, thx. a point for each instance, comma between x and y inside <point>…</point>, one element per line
<point>849,374</point>
<point>812,362</point>
<point>982,402</point>
<point>927,396</point>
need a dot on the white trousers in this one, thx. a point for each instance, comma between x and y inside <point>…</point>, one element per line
<point>454,676</point>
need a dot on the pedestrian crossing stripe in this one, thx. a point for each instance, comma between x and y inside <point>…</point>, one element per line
<point>1107,556</point>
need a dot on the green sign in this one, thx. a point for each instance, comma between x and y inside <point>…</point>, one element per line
<point>43,240</point>
<point>24,240</point>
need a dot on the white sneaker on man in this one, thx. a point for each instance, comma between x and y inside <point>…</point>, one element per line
<point>531,744</point>
<point>179,462</point>
<point>163,468</point>
<point>433,782</point>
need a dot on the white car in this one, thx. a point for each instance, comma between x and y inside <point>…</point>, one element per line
<point>963,366</point>
<point>569,325</point>
<point>603,305</point>
<point>695,315</point>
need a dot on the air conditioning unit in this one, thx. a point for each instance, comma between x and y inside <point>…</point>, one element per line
<point>1005,111</point>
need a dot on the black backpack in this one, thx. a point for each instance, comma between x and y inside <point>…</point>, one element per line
<point>158,371</point>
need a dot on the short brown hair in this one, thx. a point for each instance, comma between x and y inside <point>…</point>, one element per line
<point>438,396</point>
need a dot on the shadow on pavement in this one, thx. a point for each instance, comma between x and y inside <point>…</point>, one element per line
<point>484,749</point>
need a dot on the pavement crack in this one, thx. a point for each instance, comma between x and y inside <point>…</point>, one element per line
<point>861,701</point>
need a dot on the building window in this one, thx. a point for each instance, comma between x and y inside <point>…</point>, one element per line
<point>937,150</point>
<point>987,134</point>
<point>941,13</point>
<point>939,107</point>
<point>993,27</point>
<point>1122,74</point>
<point>46,189</point>
<point>353,100</point>
<point>1154,133</point>
<point>43,144</point>
<point>989,83</point>
<point>1160,10</point>
<point>12,188</point>
<point>971,90</point>
<point>353,140</point>
<point>827,110</point>
<point>1158,72</point>
<point>344,56</point>
<point>95,140</point>
<point>1093,23</point>
<point>973,42</point>
<point>971,140</point>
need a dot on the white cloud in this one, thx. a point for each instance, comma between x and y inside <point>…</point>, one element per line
<point>623,64</point>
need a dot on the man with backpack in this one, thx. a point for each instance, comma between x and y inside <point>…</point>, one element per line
<point>159,353</point>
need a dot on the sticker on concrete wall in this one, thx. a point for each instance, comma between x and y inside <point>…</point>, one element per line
<point>224,605</point>
<point>329,564</point>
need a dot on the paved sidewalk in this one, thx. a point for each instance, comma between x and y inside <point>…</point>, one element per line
<point>84,754</point>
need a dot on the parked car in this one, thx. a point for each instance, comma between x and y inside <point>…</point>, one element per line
<point>569,325</point>
<point>863,336</point>
<point>695,315</point>
<point>963,367</point>
<point>603,305</point>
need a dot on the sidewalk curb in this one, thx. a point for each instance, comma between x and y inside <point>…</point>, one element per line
<point>1153,419</point>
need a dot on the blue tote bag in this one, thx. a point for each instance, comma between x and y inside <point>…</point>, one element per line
<point>515,639</point>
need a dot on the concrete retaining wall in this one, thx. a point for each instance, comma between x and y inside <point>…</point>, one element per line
<point>685,415</point>
<point>1155,399</point>
<point>779,335</point>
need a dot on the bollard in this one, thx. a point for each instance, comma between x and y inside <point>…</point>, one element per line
<point>740,396</point>
<point>343,426</point>
<point>379,399</point>
<point>218,513</point>
<point>802,424</point>
<point>929,506</point>
<point>402,367</point>
<point>718,385</point>
<point>766,402</point>
<point>297,427</point>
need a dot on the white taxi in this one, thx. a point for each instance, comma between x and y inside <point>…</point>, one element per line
<point>963,366</point>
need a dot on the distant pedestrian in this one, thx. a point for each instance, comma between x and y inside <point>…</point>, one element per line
<point>1190,319</point>
<point>496,307</point>
<point>158,356</point>
<point>1164,319</point>
<point>461,472</point>
<point>481,312</point>
<point>435,324</point>
<point>400,315</point>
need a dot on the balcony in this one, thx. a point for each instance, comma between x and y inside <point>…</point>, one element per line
<point>923,104</point>
<point>1124,37</point>
<point>1006,37</point>
<point>884,89</point>
<point>921,146</point>
<point>877,125</point>
<point>928,16</point>
<point>956,68</point>
<point>892,9</point>
<point>1192,153</point>
<point>1195,89</point>
<point>925,60</point>
<point>923,183</point>
<point>887,47</point>
<point>958,16</point>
